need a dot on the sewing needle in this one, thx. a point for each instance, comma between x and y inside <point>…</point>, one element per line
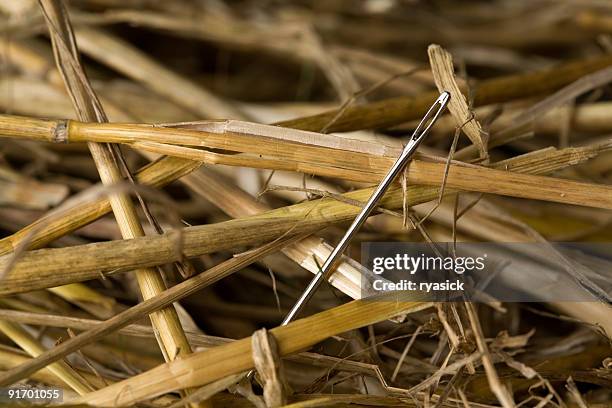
<point>408,152</point>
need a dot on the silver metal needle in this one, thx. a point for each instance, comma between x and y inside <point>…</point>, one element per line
<point>327,269</point>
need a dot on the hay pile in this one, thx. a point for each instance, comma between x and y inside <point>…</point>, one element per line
<point>173,173</point>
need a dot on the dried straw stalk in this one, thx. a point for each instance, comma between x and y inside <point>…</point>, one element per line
<point>587,117</point>
<point>207,366</point>
<point>394,111</point>
<point>280,154</point>
<point>171,336</point>
<point>139,332</point>
<point>77,323</point>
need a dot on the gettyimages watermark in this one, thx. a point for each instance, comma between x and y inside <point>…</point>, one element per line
<point>405,263</point>
<point>508,272</point>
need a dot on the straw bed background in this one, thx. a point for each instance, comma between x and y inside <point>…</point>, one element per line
<point>172,174</point>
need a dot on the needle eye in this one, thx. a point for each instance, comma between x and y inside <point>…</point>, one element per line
<point>431,116</point>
